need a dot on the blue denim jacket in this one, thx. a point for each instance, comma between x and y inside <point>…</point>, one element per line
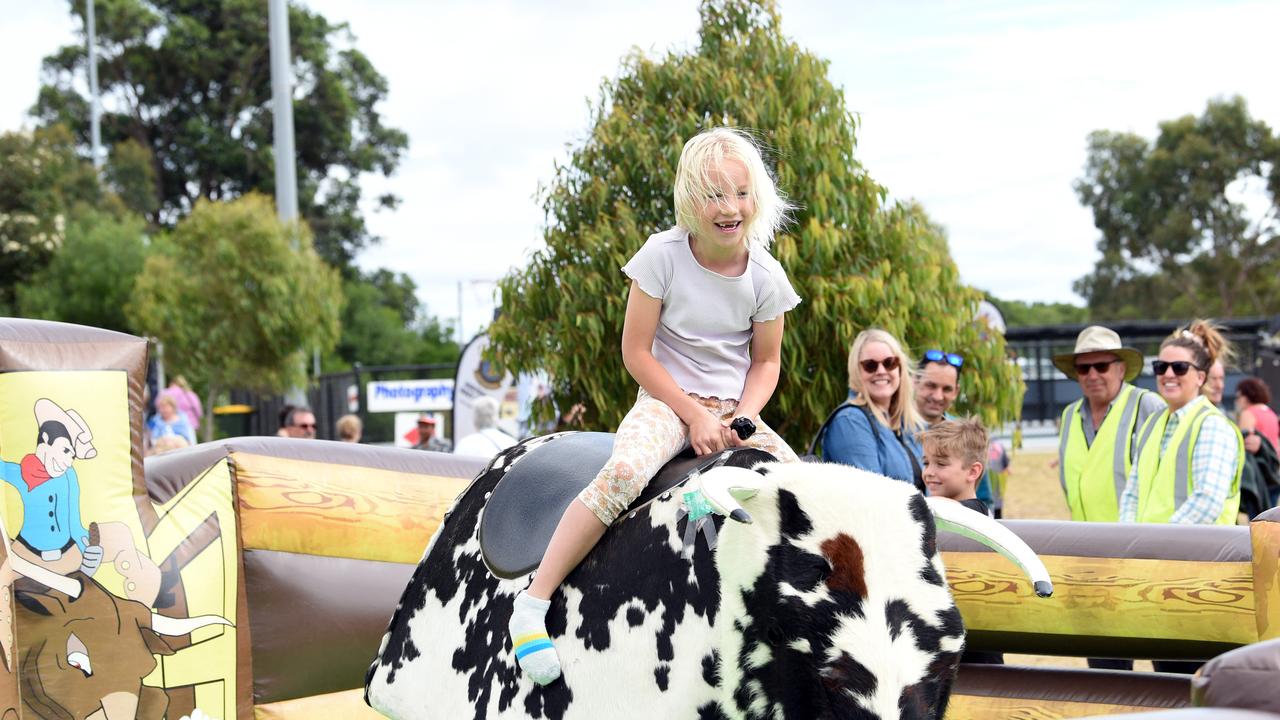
<point>852,440</point>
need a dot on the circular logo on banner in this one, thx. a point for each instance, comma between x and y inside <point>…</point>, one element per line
<point>490,374</point>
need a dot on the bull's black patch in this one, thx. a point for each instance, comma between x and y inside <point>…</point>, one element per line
<point>847,673</point>
<point>924,517</point>
<point>711,711</point>
<point>928,539</point>
<point>634,617</point>
<point>662,674</point>
<point>928,637</point>
<point>711,668</point>
<point>794,521</point>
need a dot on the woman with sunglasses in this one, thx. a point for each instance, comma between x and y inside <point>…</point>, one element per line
<point>875,428</point>
<point>1189,456</point>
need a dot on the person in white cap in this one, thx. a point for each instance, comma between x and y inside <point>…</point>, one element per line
<point>52,532</point>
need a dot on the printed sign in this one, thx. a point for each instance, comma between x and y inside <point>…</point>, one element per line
<point>409,395</point>
<point>476,378</point>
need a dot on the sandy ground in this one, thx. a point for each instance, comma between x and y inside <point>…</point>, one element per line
<point>1033,493</point>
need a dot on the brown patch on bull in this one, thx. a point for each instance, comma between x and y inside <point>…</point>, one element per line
<point>848,572</point>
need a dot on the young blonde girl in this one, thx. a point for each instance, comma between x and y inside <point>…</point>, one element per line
<point>703,339</point>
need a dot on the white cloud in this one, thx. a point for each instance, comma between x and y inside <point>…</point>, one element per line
<point>978,110</point>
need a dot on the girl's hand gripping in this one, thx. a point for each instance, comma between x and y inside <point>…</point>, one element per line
<point>706,434</point>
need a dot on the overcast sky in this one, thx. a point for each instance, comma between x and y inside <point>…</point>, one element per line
<point>979,110</point>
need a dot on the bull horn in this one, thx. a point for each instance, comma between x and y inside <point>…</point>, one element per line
<point>953,517</point>
<point>43,575</point>
<point>165,625</point>
<point>724,486</point>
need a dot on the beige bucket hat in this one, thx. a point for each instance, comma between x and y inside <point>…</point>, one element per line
<point>1096,338</point>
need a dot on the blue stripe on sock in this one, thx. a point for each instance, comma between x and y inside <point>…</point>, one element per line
<point>532,647</point>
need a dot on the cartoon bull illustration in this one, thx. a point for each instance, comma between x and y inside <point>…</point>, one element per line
<point>82,652</point>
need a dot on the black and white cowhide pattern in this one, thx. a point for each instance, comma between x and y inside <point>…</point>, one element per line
<point>831,604</point>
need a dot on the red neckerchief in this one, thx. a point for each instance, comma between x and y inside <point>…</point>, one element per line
<point>33,472</point>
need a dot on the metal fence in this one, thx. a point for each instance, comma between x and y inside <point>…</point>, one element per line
<point>333,395</point>
<point>1049,391</point>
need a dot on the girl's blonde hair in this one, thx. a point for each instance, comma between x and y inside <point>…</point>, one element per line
<point>698,180</point>
<point>902,415</point>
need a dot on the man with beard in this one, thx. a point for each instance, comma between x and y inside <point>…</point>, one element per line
<point>937,387</point>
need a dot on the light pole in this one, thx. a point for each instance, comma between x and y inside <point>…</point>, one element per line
<point>95,108</point>
<point>282,111</point>
<point>282,136</point>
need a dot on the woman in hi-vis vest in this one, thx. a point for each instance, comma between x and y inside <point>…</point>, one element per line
<point>1190,455</point>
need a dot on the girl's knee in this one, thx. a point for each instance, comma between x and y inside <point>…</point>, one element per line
<point>613,490</point>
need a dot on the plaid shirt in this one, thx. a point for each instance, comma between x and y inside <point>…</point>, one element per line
<point>1213,468</point>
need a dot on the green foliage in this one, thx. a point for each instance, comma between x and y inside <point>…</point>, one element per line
<point>238,298</point>
<point>91,277</point>
<point>1175,241</point>
<point>1022,314</point>
<point>191,82</point>
<point>42,181</point>
<point>383,324</point>
<point>855,261</point>
<point>131,173</point>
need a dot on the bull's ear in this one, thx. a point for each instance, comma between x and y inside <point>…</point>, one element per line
<point>156,644</point>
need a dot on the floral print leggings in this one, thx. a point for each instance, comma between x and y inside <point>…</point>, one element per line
<point>649,436</point>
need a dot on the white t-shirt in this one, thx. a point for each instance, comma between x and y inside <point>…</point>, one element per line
<point>704,329</point>
<point>485,443</point>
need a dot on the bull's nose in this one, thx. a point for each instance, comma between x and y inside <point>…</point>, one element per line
<point>119,706</point>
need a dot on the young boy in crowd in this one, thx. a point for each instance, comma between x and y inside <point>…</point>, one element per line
<point>955,452</point>
<point>954,455</point>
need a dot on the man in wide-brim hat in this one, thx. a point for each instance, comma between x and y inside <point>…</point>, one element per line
<point>1096,438</point>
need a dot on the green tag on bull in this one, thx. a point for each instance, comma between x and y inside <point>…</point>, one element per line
<point>697,505</point>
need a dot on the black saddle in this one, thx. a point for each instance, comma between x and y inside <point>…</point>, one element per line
<point>524,508</point>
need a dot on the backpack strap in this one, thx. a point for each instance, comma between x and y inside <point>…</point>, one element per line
<point>813,444</point>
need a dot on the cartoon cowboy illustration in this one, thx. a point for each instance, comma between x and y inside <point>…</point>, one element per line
<point>52,533</point>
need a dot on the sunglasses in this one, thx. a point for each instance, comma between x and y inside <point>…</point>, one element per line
<point>937,356</point>
<point>1098,367</point>
<point>869,366</point>
<point>1179,367</point>
<point>305,426</point>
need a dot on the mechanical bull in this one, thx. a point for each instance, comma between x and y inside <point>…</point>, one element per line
<point>82,652</point>
<point>827,600</point>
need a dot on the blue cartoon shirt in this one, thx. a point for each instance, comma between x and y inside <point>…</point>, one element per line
<point>50,510</point>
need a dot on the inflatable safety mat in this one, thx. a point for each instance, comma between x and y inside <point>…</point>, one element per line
<point>329,535</point>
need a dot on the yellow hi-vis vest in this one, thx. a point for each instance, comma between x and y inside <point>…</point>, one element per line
<point>1093,476</point>
<point>1165,482</point>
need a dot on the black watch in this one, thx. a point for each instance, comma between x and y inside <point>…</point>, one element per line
<point>743,426</point>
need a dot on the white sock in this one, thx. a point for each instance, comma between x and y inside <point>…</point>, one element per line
<point>529,639</point>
